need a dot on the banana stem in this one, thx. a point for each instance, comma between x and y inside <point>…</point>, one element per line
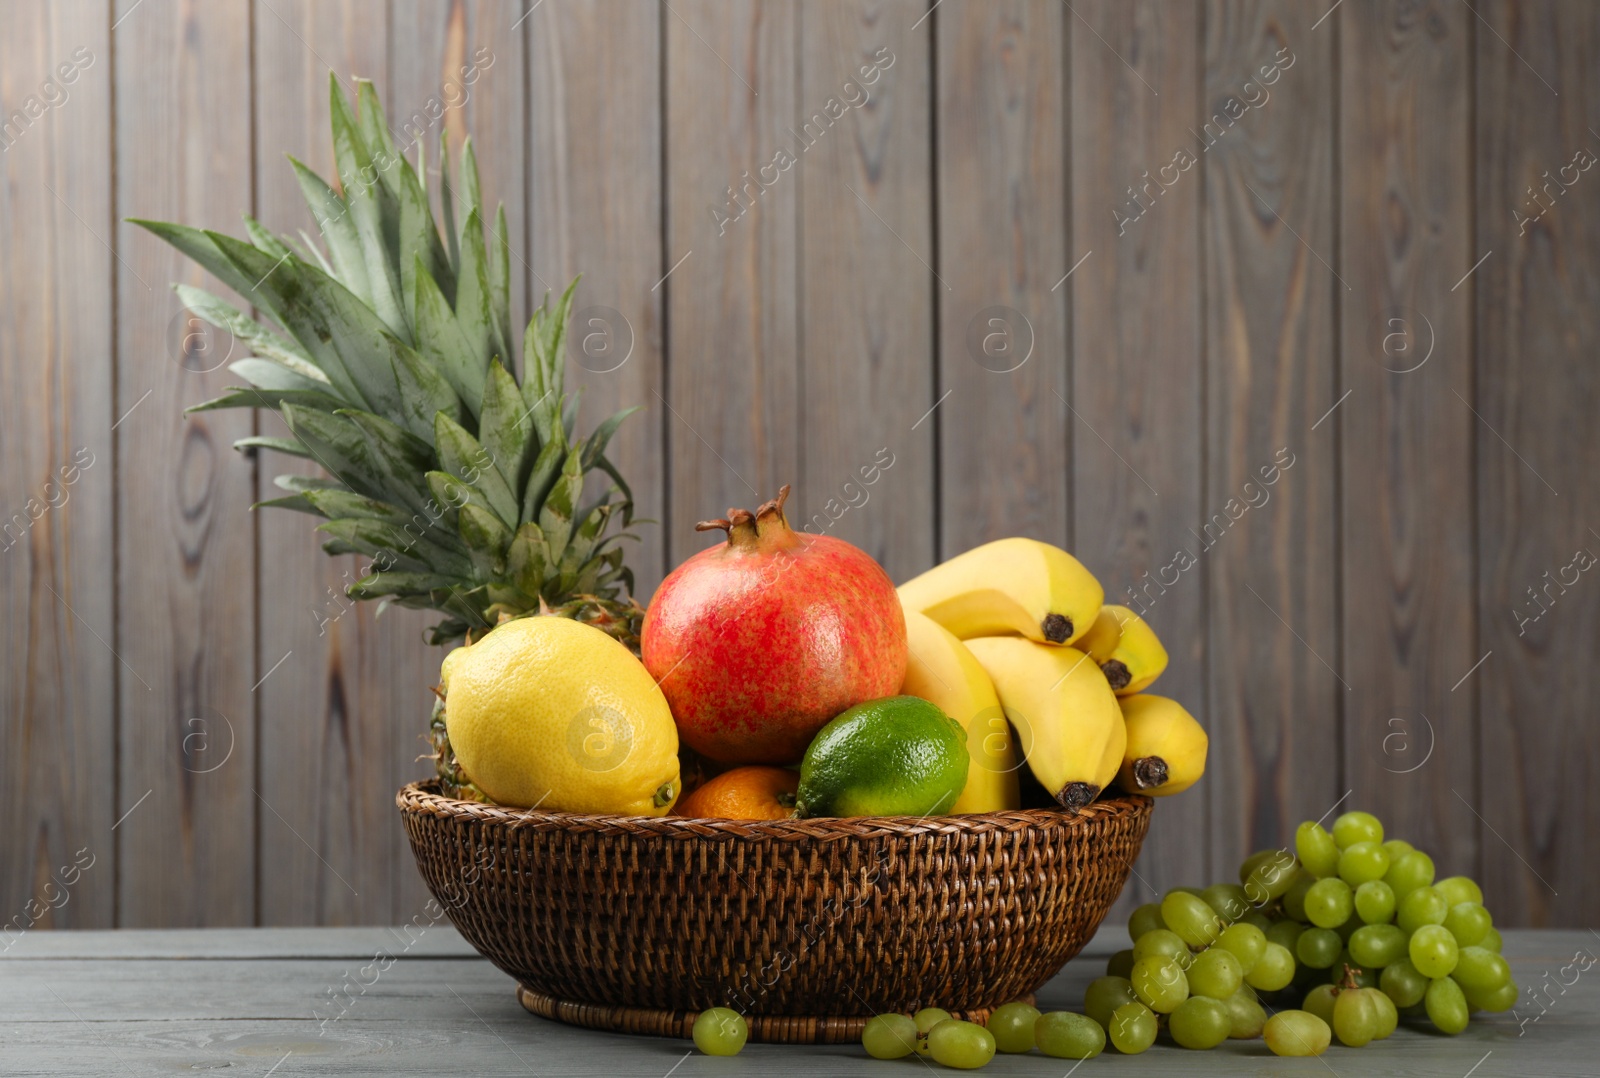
<point>1149,772</point>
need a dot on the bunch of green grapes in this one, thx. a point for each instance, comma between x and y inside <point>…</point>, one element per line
<point>1355,929</point>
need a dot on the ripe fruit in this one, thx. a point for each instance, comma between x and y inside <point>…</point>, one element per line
<point>1297,1033</point>
<point>1012,1026</point>
<point>941,670</point>
<point>1065,1035</point>
<point>899,756</point>
<point>1065,714</point>
<point>719,1031</point>
<point>760,641</point>
<point>925,1020</point>
<point>1165,751</point>
<point>1200,1022</point>
<point>1019,586</point>
<point>1132,1029</point>
<point>745,793</point>
<point>962,1045</point>
<point>889,1036</point>
<point>1129,654</point>
<point>548,711</point>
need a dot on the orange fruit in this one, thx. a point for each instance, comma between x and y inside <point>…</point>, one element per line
<point>745,793</point>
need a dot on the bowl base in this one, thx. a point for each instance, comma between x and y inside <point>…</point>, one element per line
<point>766,1028</point>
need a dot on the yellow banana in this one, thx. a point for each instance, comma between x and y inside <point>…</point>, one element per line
<point>1126,648</point>
<point>1064,712</point>
<point>1166,749</point>
<point>1019,586</point>
<point>941,670</point>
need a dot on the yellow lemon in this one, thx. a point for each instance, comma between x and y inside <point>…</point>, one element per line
<point>549,712</point>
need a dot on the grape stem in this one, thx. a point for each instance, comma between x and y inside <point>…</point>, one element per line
<point>1349,984</point>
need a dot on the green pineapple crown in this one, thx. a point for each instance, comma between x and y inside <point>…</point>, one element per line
<point>460,483</point>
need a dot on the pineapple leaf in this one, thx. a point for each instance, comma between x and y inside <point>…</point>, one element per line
<point>527,559</point>
<point>463,456</point>
<point>263,239</point>
<point>250,397</point>
<point>397,584</point>
<point>555,516</point>
<point>499,252</point>
<point>470,193</point>
<point>447,201</point>
<point>403,456</point>
<point>305,482</point>
<point>503,427</point>
<point>424,392</point>
<point>340,446</point>
<point>344,505</point>
<point>546,467</point>
<point>315,252</point>
<point>268,374</point>
<point>605,465</point>
<point>201,246</point>
<point>333,221</point>
<point>595,447</point>
<point>472,307</point>
<point>264,441</point>
<point>262,341</point>
<point>297,502</point>
<point>486,539</point>
<point>373,208</point>
<point>440,340</point>
<point>375,134</point>
<point>391,546</point>
<point>421,253</point>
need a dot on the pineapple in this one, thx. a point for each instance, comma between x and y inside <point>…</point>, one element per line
<point>461,484</point>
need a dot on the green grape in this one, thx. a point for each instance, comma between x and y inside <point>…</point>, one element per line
<point>1356,1017</point>
<point>1457,889</point>
<point>1257,918</point>
<point>1318,852</point>
<point>1120,964</point>
<point>1011,1025</point>
<point>1493,1000</point>
<point>1266,875</point>
<point>1329,903</point>
<point>1132,1029</point>
<point>1354,827</point>
<point>1195,922</point>
<point>1478,969</point>
<point>1200,1022</point>
<point>1348,929</point>
<point>1362,861</point>
<point>719,1031</point>
<point>1228,899</point>
<point>1395,847</point>
<point>1402,983</point>
<point>1388,1013</point>
<point>1284,933</point>
<point>1105,995</point>
<point>1423,906</point>
<point>1159,983</point>
<point>1319,1001</point>
<point>926,1019</point>
<point>1245,941</point>
<point>1147,918</point>
<point>889,1036</point>
<point>1216,974</point>
<point>1273,970</point>
<point>1491,940</point>
<point>1375,902</point>
<point>962,1045</point>
<point>1468,922</point>
<point>1317,947</point>
<point>1433,951</point>
<point>1162,943</point>
<point>1296,1033</point>
<point>1294,899</point>
<point>1408,872</point>
<point>1246,1014</point>
<point>1065,1035</point>
<point>1446,1005</point>
<point>1377,946</point>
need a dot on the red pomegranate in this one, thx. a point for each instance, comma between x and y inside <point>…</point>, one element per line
<point>757,643</point>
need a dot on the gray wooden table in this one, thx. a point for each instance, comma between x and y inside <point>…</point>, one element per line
<point>295,1002</point>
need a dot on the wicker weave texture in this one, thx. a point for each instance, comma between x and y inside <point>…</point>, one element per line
<point>637,923</point>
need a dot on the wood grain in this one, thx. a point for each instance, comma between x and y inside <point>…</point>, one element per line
<point>1268,309</point>
<point>186,609</point>
<point>1406,341</point>
<point>1538,502</point>
<point>57,407</point>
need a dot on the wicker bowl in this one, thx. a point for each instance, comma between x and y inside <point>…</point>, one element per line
<point>808,927</point>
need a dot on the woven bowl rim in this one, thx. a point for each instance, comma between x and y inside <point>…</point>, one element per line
<point>424,797</point>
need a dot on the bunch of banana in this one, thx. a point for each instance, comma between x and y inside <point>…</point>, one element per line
<point>1013,636</point>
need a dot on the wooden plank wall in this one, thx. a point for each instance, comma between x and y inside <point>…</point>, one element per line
<point>1281,316</point>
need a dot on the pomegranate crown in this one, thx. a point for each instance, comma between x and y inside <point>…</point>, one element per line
<point>747,530</point>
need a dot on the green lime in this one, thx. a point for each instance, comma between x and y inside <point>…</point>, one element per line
<point>899,756</point>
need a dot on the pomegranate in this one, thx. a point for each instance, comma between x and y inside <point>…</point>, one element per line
<point>758,642</point>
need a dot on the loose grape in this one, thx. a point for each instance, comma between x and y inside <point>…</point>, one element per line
<point>1228,899</point>
<point>1247,1015</point>
<point>719,1031</point>
<point>1147,918</point>
<point>1319,1001</point>
<point>1160,983</point>
<point>1495,999</point>
<point>1120,964</point>
<point>1479,969</point>
<point>926,1019</point>
<point>1200,1022</point>
<point>1257,918</point>
<point>1433,951</point>
<point>1402,983</point>
<point>962,1045</point>
<point>1266,875</point>
<point>1423,906</point>
<point>1162,943</point>
<point>1318,852</point>
<point>1065,1035</point>
<point>1294,899</point>
<point>1468,922</point>
<point>1396,847</point>
<point>1388,1013</point>
<point>1245,941</point>
<point>1132,1029</point>
<point>1296,1033</point>
<point>1105,995</point>
<point>1408,872</point>
<point>1377,946</point>
<point>1011,1025</point>
<point>1491,940</point>
<point>889,1036</point>
<point>1329,903</point>
<point>1273,970</point>
<point>1354,827</point>
<point>1318,947</point>
<point>1362,861</point>
<point>1446,1005</point>
<point>1195,922</point>
<point>1355,1017</point>
<point>1284,933</point>
<point>1375,902</point>
<point>1459,889</point>
<point>1215,973</point>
